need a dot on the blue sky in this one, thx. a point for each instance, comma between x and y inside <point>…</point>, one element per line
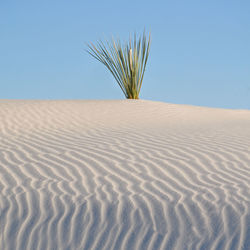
<point>200,53</point>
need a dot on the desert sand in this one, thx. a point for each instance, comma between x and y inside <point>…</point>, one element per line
<point>123,174</point>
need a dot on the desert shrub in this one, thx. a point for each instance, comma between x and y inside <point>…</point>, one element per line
<point>127,63</point>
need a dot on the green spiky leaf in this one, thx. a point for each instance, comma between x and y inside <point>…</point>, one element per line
<point>127,64</point>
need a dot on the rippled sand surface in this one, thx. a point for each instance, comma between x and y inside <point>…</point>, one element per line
<point>129,174</point>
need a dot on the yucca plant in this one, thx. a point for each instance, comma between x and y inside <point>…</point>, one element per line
<point>126,63</point>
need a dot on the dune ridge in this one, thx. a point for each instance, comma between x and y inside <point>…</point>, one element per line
<point>129,174</point>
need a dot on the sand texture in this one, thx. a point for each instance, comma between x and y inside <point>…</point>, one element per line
<point>128,174</point>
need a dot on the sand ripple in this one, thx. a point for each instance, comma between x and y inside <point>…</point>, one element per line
<point>123,175</point>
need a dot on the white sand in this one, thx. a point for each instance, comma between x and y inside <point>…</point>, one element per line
<point>123,175</point>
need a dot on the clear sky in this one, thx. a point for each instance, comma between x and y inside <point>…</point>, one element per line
<point>200,53</point>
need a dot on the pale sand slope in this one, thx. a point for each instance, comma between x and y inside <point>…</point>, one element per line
<point>123,175</point>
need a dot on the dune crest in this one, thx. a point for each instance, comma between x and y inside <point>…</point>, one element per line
<point>130,174</point>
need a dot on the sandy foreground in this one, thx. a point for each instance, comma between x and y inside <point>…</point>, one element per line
<point>130,174</point>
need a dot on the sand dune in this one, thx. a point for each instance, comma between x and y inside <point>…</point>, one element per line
<point>129,174</point>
